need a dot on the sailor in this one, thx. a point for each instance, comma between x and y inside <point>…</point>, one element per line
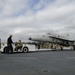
<point>9,44</point>
<point>18,45</point>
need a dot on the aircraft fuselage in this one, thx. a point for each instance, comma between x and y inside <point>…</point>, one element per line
<point>52,40</point>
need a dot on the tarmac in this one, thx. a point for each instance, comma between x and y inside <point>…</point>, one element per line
<point>38,63</point>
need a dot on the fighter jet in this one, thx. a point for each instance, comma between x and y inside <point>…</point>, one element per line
<point>55,41</point>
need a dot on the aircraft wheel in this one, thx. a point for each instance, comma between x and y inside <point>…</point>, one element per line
<point>25,49</point>
<point>61,48</point>
<point>74,48</point>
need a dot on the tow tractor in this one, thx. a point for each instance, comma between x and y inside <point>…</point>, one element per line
<point>24,48</point>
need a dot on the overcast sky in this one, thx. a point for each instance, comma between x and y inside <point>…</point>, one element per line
<point>24,18</point>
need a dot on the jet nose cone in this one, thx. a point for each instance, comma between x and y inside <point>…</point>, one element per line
<point>30,38</point>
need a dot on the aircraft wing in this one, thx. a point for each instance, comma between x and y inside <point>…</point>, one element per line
<point>60,38</point>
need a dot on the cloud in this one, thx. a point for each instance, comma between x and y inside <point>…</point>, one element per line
<point>13,8</point>
<point>30,17</point>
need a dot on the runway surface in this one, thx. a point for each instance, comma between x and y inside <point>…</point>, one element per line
<point>38,63</point>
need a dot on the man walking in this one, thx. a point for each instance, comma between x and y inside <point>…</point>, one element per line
<point>9,44</point>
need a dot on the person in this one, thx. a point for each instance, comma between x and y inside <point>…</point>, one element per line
<point>9,44</point>
<point>19,45</point>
